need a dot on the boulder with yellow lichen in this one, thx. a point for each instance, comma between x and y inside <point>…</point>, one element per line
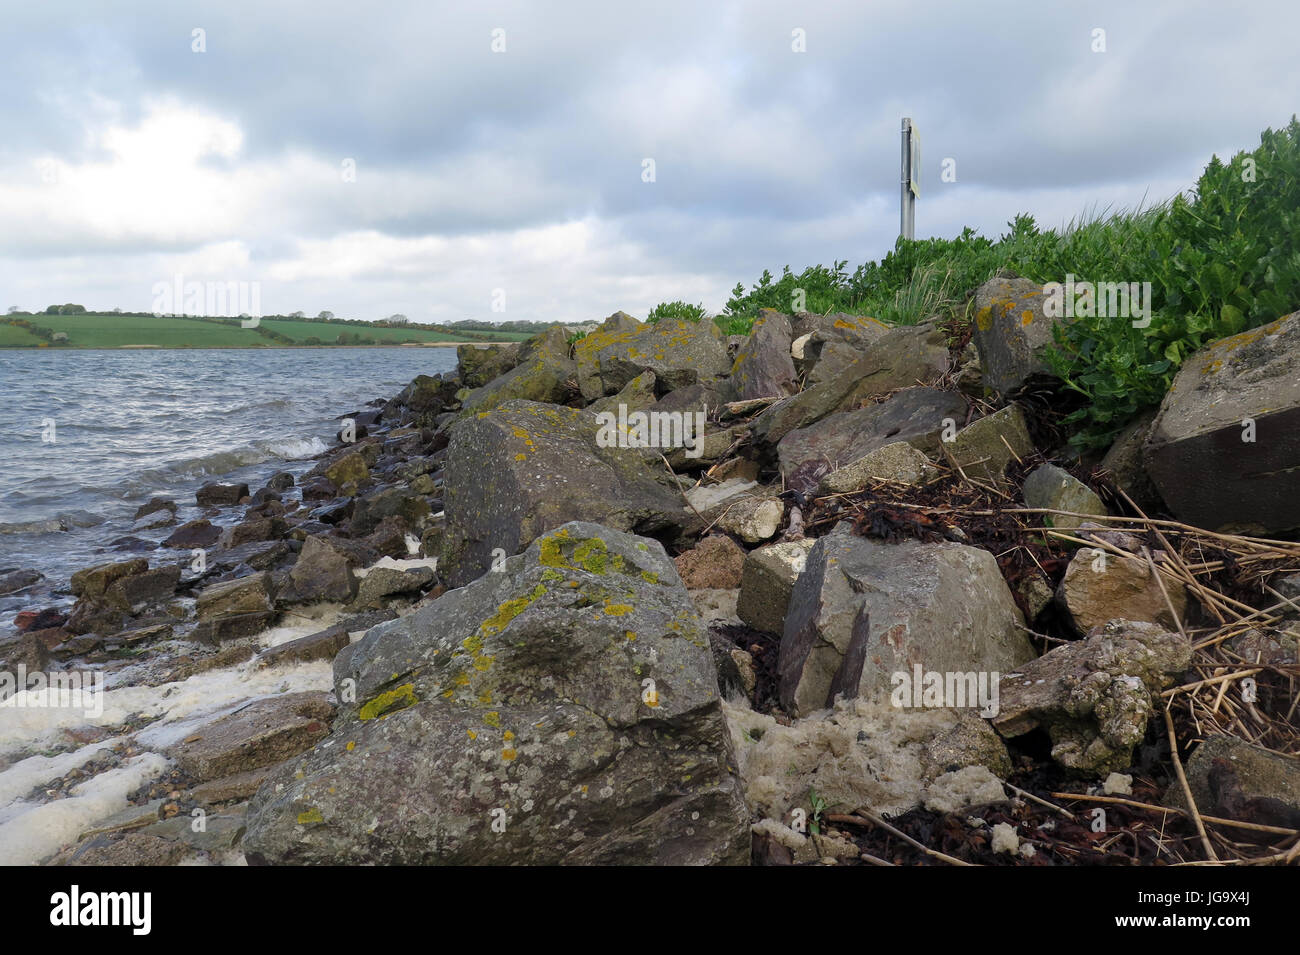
<point>1224,451</point>
<point>562,711</point>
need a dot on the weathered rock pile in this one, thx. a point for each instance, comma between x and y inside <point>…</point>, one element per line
<point>648,598</point>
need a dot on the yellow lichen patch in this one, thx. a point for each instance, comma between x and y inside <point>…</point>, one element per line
<point>461,679</point>
<point>493,719</point>
<point>472,734</point>
<point>1026,317</point>
<point>388,701</point>
<point>649,576</point>
<point>310,817</point>
<point>485,697</point>
<point>617,610</point>
<point>508,735</point>
<point>630,635</point>
<point>572,733</point>
<point>351,745</point>
<point>508,754</point>
<point>501,619</point>
<point>521,457</point>
<point>984,318</point>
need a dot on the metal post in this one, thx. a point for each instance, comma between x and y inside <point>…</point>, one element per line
<point>907,199</point>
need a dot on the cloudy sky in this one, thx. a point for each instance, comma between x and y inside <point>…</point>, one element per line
<point>381,157</point>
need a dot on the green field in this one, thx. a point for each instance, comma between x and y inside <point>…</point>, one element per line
<point>115,331</point>
<point>301,331</point>
<point>13,337</point>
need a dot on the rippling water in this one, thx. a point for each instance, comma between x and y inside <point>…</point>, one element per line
<point>129,425</point>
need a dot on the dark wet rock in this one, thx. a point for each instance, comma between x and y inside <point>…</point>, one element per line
<point>258,530</point>
<point>154,504</point>
<point>221,495</point>
<point>398,502</point>
<point>336,512</point>
<point>234,627</point>
<point>12,581</point>
<point>318,488</point>
<point>323,571</point>
<point>479,364</point>
<point>198,533</point>
<point>763,366</point>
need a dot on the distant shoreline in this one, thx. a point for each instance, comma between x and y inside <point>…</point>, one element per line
<point>59,348</point>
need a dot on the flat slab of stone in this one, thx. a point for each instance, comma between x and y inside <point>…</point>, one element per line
<point>1224,450</point>
<point>914,415</point>
<point>262,733</point>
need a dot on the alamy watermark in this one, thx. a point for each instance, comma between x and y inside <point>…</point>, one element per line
<point>1102,299</point>
<point>208,299</point>
<point>652,429</point>
<point>934,689</point>
<point>61,689</point>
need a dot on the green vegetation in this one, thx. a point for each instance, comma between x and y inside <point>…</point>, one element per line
<point>1220,260</point>
<point>676,311</point>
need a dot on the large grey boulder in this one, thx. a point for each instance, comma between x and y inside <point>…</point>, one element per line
<point>1094,696</point>
<point>323,571</point>
<point>763,365</point>
<point>479,364</point>
<point>914,415</point>
<point>1012,332</point>
<point>526,468</point>
<point>564,710</point>
<point>543,374</point>
<point>862,611</point>
<point>1224,450</point>
<point>679,352</point>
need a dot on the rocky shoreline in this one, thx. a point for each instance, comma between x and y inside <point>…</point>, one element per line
<point>833,592</point>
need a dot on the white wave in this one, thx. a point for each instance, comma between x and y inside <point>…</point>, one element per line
<point>296,449</point>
